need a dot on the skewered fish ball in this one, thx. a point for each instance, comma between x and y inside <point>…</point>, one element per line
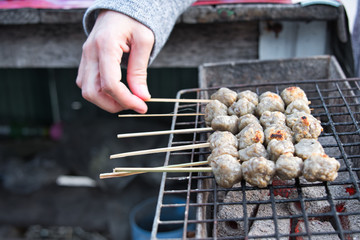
<point>252,133</point>
<point>222,139</point>
<point>320,167</point>
<point>213,109</point>
<point>294,117</point>
<point>298,105</point>
<point>258,171</point>
<point>225,123</point>
<point>225,95</point>
<point>307,126</point>
<point>276,148</point>
<point>278,132</point>
<point>227,170</point>
<point>229,150</point>
<point>249,95</point>
<point>288,167</point>
<point>241,107</point>
<point>307,146</point>
<point>254,150</point>
<point>245,120</point>
<point>270,104</point>
<point>270,118</point>
<point>291,94</point>
<point>272,95</point>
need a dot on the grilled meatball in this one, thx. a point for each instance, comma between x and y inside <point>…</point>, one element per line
<point>222,139</point>
<point>272,95</point>
<point>245,120</point>
<point>227,170</point>
<point>241,107</point>
<point>225,123</point>
<point>307,146</point>
<point>307,126</point>
<point>291,94</point>
<point>213,109</point>
<point>229,150</point>
<point>270,104</point>
<point>225,95</point>
<point>288,167</point>
<point>258,171</point>
<point>254,150</point>
<point>249,95</point>
<point>292,118</point>
<point>278,132</point>
<point>252,133</point>
<point>320,167</point>
<point>276,148</point>
<point>270,118</point>
<point>298,105</point>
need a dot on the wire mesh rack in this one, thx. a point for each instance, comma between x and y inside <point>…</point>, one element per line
<point>292,209</point>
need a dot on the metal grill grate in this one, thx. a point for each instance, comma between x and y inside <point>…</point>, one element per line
<point>293,209</point>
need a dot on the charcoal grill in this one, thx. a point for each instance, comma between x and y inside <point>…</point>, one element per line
<point>286,209</point>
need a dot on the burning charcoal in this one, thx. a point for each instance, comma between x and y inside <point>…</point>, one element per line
<point>226,169</point>
<point>276,148</point>
<point>254,150</point>
<point>298,106</point>
<point>350,222</point>
<point>245,120</point>
<point>221,139</point>
<point>241,108</point>
<point>316,226</point>
<point>225,95</point>
<point>252,133</point>
<point>291,94</point>
<point>288,166</point>
<point>305,147</point>
<point>320,167</point>
<point>271,118</point>
<point>227,226</point>
<point>225,123</point>
<point>278,132</point>
<point>258,171</point>
<point>267,227</point>
<point>249,95</point>
<point>213,109</point>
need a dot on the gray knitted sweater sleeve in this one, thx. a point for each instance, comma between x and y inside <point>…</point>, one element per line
<point>158,15</point>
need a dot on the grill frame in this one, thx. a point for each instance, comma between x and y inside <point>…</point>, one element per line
<point>197,189</point>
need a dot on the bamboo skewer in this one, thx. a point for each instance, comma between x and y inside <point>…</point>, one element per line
<point>118,173</point>
<point>162,115</point>
<point>159,150</point>
<point>165,169</point>
<point>178,100</point>
<point>142,134</point>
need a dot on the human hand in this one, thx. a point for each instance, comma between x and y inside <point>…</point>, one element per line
<point>99,71</point>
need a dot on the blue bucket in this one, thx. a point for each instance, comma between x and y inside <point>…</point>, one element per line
<point>142,217</point>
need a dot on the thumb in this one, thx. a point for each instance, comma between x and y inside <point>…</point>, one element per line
<point>137,68</point>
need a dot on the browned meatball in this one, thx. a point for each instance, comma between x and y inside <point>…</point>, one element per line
<point>291,94</point>
<point>241,107</point>
<point>278,132</point>
<point>245,120</point>
<point>294,117</point>
<point>229,150</point>
<point>258,171</point>
<point>227,170</point>
<point>272,95</point>
<point>276,148</point>
<point>307,146</point>
<point>254,150</point>
<point>298,106</point>
<point>213,109</point>
<point>221,139</point>
<point>320,167</point>
<point>225,95</point>
<point>249,95</point>
<point>252,133</point>
<point>270,118</point>
<point>288,167</point>
<point>270,104</point>
<point>225,123</point>
<point>307,126</point>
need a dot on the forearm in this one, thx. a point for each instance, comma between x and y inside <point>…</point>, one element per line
<point>158,15</point>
